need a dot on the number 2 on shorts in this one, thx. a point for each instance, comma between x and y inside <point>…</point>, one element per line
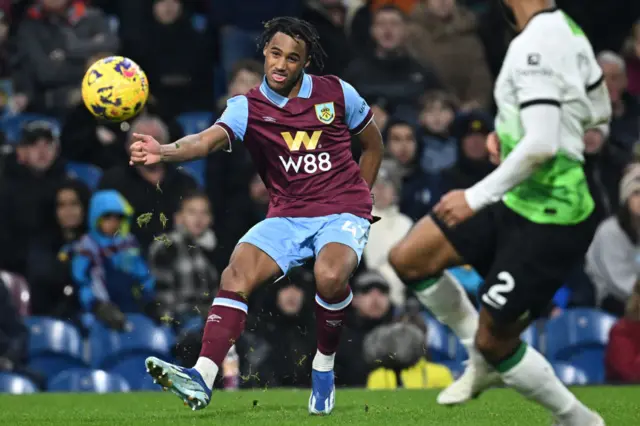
<point>495,296</point>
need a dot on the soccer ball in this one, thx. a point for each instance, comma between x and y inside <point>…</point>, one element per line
<point>115,88</point>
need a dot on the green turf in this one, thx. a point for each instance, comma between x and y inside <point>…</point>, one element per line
<point>620,406</point>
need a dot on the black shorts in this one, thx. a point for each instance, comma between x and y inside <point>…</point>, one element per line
<point>523,263</point>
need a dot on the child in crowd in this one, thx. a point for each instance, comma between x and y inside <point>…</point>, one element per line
<point>111,276</point>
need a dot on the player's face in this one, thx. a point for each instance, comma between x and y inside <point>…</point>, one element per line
<point>284,61</point>
<point>401,143</point>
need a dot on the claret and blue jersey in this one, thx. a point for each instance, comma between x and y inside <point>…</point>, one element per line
<point>301,148</point>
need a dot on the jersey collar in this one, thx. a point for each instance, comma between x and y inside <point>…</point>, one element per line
<point>281,101</point>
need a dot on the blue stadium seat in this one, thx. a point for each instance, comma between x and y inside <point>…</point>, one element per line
<point>54,345</point>
<point>16,384</point>
<point>195,122</point>
<point>133,368</point>
<point>579,337</point>
<point>87,380</point>
<point>12,126</point>
<point>142,338</point>
<point>441,343</point>
<point>456,367</point>
<point>569,374</point>
<point>89,174</point>
<point>530,336</point>
<point>199,22</point>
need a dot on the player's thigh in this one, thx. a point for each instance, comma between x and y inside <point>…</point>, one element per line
<point>338,247</point>
<point>431,246</point>
<point>249,267</point>
<point>266,251</point>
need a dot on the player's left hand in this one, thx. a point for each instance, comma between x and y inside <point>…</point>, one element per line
<point>453,208</point>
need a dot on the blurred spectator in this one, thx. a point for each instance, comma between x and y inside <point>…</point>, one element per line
<point>155,191</point>
<point>279,342</point>
<point>631,51</point>
<point>622,358</point>
<point>438,149</point>
<point>49,273</point>
<point>243,209</point>
<point>470,130</point>
<point>241,22</point>
<point>30,176</point>
<point>397,356</point>
<point>371,308</point>
<point>420,191</point>
<point>14,340</point>
<point>328,17</point>
<point>613,260</point>
<point>387,77</point>
<point>185,261</point>
<point>84,139</point>
<point>176,57</point>
<point>625,126</point>
<point>54,43</point>
<point>245,75</point>
<point>390,230</point>
<point>111,276</point>
<point>443,34</point>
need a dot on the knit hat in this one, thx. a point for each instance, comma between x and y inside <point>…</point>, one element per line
<point>630,183</point>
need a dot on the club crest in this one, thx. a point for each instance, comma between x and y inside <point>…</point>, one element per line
<point>326,113</point>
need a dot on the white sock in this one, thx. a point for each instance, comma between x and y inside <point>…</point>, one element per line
<point>208,370</point>
<point>534,378</point>
<point>322,362</point>
<point>448,302</point>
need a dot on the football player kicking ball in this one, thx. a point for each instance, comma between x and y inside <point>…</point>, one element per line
<point>297,128</point>
<point>525,225</point>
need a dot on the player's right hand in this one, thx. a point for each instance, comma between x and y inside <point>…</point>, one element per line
<point>493,146</point>
<point>144,150</point>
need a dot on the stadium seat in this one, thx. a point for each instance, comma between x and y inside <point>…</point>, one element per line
<point>133,368</point>
<point>19,291</point>
<point>197,169</point>
<point>86,380</point>
<point>142,338</point>
<point>16,384</point>
<point>89,174</point>
<point>12,126</point>
<point>54,345</point>
<point>569,374</point>
<point>530,336</point>
<point>456,368</point>
<point>579,337</point>
<point>199,22</point>
<point>440,343</point>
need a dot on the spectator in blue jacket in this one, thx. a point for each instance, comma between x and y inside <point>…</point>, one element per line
<point>111,275</point>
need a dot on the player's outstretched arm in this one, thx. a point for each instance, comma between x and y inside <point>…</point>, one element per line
<point>372,152</point>
<point>195,146</point>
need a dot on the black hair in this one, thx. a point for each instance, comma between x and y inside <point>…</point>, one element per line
<point>297,29</point>
<point>194,194</point>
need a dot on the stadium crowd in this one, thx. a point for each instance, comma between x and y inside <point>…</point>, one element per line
<point>89,240</point>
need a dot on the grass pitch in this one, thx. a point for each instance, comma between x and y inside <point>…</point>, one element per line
<point>620,406</point>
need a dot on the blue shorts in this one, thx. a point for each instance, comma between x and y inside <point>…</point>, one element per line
<point>290,241</point>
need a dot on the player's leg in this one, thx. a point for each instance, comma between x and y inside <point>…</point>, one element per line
<point>420,260</point>
<point>260,256</point>
<point>526,275</point>
<point>338,246</point>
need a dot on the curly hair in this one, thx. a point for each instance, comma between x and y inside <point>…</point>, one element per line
<point>297,29</point>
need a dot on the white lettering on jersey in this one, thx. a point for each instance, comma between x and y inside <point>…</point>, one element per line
<point>310,163</point>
